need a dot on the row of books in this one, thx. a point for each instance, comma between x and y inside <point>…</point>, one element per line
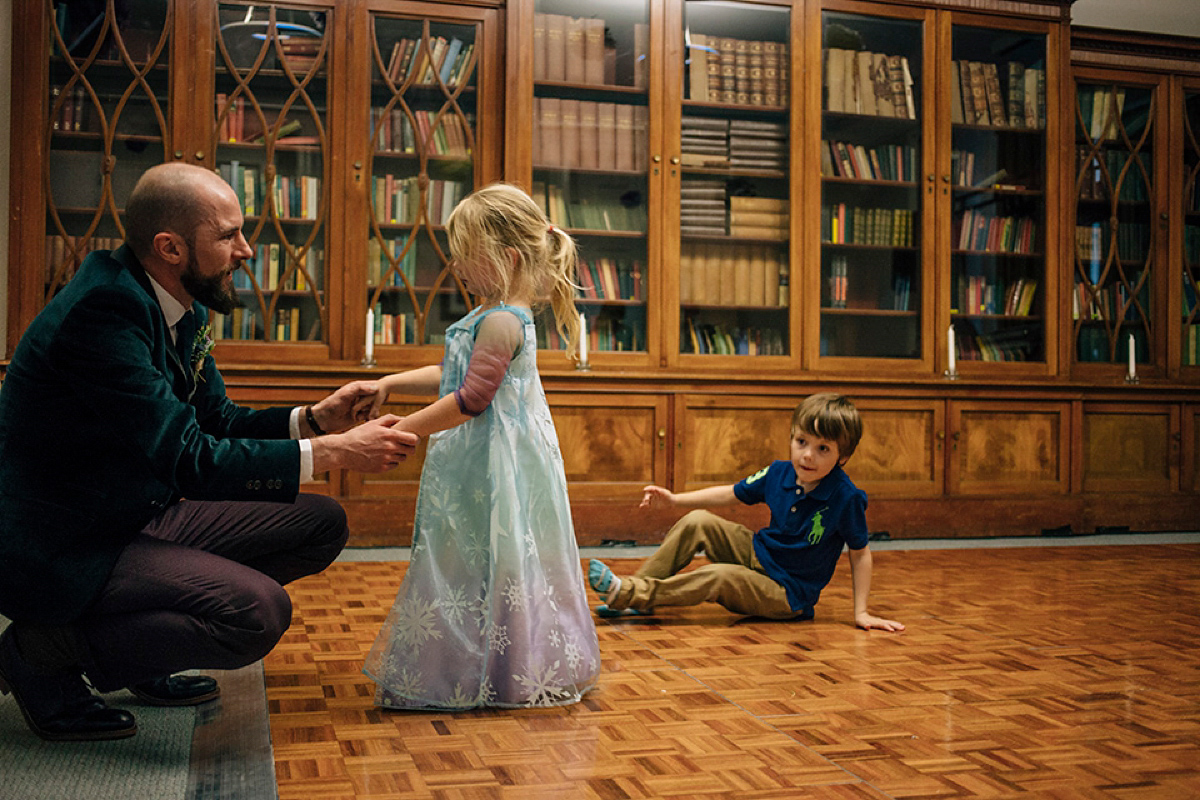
<point>977,96</point>
<point>389,263</point>
<point>607,333</point>
<point>70,111</point>
<point>1111,302</point>
<point>1093,242</point>
<point>1101,174</point>
<point>838,289</point>
<point>275,268</point>
<point>586,134</point>
<point>979,231</point>
<point>580,50</point>
<point>609,279</point>
<point>246,324</point>
<point>429,61</point>
<point>231,125</point>
<point>735,144</point>
<point>397,200</point>
<point>1102,114</point>
<point>862,82</point>
<point>290,196</point>
<point>704,210</point>
<point>887,162</point>
<point>718,339</point>
<point>722,69</point>
<point>842,223</point>
<point>391,328</point>
<point>1008,344</point>
<point>746,275</point>
<point>447,135</point>
<point>64,254</point>
<point>600,211</point>
<point>300,53</point>
<point>962,173</point>
<point>977,294</point>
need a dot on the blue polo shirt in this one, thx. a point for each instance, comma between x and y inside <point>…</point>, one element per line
<point>800,547</point>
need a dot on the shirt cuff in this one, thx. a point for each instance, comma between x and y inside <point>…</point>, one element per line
<point>306,456</point>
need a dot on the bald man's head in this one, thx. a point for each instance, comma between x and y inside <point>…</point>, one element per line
<point>168,197</point>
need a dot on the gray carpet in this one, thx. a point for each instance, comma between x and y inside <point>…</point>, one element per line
<point>217,751</point>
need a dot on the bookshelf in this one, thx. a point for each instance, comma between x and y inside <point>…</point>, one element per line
<point>873,279</point>
<point>1189,303</point>
<point>1117,254</point>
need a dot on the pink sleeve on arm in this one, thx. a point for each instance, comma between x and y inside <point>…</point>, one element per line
<point>498,339</point>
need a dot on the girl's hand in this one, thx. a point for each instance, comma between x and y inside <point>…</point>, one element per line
<point>656,497</point>
<point>867,622</point>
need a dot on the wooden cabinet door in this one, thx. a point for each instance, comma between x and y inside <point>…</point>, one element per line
<point>901,453</point>
<point>611,447</point>
<point>1008,448</point>
<point>1131,448</point>
<point>1190,457</point>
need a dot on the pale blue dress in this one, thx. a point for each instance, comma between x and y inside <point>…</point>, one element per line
<point>493,608</point>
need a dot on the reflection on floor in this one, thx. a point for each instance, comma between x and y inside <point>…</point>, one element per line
<point>1065,671</point>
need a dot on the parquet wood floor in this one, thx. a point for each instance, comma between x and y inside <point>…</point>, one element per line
<point>1055,672</point>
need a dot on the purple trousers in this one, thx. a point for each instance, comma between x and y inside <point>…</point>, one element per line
<point>202,587</point>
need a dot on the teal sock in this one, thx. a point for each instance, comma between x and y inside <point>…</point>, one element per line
<point>602,579</point>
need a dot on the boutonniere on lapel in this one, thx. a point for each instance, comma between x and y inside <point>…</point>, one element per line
<point>202,345</point>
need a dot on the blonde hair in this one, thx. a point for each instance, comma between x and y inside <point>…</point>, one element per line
<point>492,223</point>
<point>830,416</point>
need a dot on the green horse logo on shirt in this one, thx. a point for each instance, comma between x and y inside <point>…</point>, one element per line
<point>818,528</point>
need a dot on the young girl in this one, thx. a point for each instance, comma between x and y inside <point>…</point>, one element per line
<point>493,609</point>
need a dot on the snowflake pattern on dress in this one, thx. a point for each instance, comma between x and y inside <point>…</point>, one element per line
<point>493,609</point>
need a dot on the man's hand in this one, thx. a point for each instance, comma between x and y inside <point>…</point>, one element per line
<point>867,622</point>
<point>374,446</point>
<point>337,412</point>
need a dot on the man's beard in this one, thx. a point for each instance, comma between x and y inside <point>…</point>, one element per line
<point>212,291</point>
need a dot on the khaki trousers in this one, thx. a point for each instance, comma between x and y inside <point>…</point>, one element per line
<point>734,579</point>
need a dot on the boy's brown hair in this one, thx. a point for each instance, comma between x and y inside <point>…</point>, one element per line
<point>830,416</point>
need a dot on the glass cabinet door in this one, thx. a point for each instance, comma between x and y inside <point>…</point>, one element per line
<point>271,143</point>
<point>1190,260</point>
<point>734,200</point>
<point>871,150</point>
<point>590,158</point>
<point>109,121</point>
<point>998,174</point>
<point>1115,255</point>
<point>422,161</point>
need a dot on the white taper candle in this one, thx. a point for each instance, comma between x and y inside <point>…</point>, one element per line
<point>370,334</point>
<point>950,348</point>
<point>1132,359</point>
<point>583,339</point>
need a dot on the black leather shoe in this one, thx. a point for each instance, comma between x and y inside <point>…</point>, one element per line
<point>177,690</point>
<point>59,707</point>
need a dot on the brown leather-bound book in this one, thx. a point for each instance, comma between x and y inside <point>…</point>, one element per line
<point>624,150</point>
<point>728,57</point>
<point>556,47</point>
<point>865,82</point>
<point>641,124</point>
<point>574,50</point>
<point>589,141</point>
<point>834,80</point>
<point>771,270</point>
<point>593,51</point>
<point>968,99</point>
<point>727,287</point>
<point>991,86</point>
<point>758,219</point>
<point>741,71</point>
<point>759,232</point>
<point>881,84</point>
<point>698,67</point>
<point>758,86</point>
<point>757,279</point>
<point>956,98</point>
<point>606,136</point>
<point>741,276</point>
<point>849,82</point>
<point>687,269</point>
<point>551,155</point>
<point>979,93</point>
<point>1016,94</point>
<point>539,46</point>
<point>896,76</point>
<point>570,132</point>
<point>773,79</point>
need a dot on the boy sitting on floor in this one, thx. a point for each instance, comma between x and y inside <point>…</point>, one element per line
<point>779,571</point>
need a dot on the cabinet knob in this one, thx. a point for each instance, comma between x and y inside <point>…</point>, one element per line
<point>358,165</point>
<point>945,179</point>
<point>178,154</point>
<point>674,159</point>
<point>656,158</point>
<point>200,155</point>
<point>931,178</point>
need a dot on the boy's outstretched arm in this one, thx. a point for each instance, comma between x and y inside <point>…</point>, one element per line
<point>658,497</point>
<point>860,575</point>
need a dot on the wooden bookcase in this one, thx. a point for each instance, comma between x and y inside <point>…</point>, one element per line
<point>712,155</point>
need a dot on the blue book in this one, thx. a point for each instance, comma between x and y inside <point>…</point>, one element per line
<point>447,66</point>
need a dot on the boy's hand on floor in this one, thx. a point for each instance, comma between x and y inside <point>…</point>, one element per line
<point>868,622</point>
